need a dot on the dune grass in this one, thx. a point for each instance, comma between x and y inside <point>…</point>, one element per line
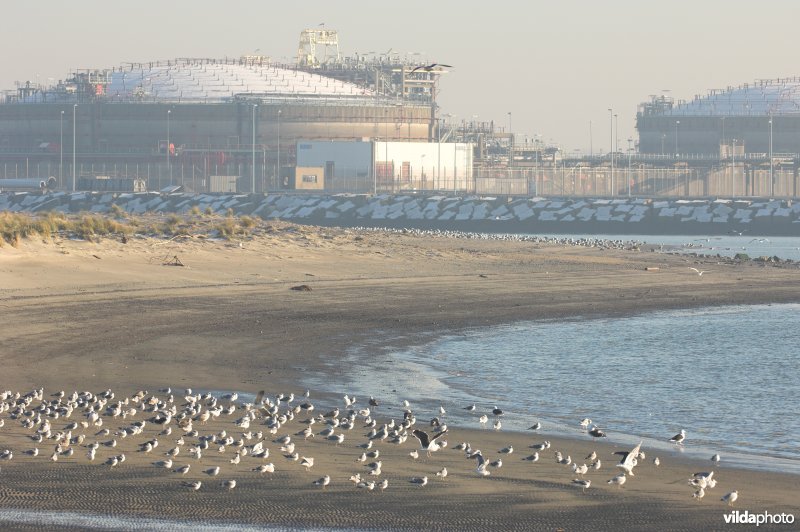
<point>16,227</point>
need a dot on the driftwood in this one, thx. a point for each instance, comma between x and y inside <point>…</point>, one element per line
<point>301,288</point>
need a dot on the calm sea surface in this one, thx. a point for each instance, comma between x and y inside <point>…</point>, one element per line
<point>729,376</point>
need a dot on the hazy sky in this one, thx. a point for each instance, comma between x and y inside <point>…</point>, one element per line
<point>554,66</point>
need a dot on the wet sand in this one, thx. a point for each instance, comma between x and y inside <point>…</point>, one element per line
<point>92,316</point>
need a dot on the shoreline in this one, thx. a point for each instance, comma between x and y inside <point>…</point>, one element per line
<point>556,428</point>
<point>111,315</point>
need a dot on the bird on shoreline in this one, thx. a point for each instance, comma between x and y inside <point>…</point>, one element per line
<point>629,459</point>
<point>619,480</point>
<point>731,497</point>
<point>679,438</point>
<point>482,464</point>
<point>583,484</point>
<point>428,444</point>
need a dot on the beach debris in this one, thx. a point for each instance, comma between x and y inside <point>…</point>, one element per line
<point>301,288</point>
<point>172,261</point>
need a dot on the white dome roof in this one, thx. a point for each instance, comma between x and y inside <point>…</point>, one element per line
<point>188,80</point>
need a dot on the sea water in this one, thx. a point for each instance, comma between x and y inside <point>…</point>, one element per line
<point>729,376</point>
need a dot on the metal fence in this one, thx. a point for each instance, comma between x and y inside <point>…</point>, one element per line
<point>741,180</point>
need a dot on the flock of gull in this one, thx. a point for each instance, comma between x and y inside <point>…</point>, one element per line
<point>256,438</point>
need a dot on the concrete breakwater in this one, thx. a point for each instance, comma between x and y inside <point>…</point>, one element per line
<point>467,213</point>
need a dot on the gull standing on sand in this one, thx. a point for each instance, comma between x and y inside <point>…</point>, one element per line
<point>731,497</point>
<point>715,458</point>
<point>324,481</point>
<point>619,480</point>
<point>582,483</point>
<point>532,458</point>
<point>442,473</point>
<point>484,419</point>
<point>420,481</point>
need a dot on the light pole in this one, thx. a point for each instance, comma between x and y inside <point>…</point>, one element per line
<point>630,154</point>
<point>255,106</point>
<point>591,146</point>
<point>74,109</point>
<point>279,145</point>
<point>677,123</point>
<point>663,138</point>
<point>771,176</point>
<point>61,154</point>
<point>616,148</point>
<point>611,121</point>
<point>722,119</point>
<point>733,170</point>
<point>510,142</point>
<point>169,165</point>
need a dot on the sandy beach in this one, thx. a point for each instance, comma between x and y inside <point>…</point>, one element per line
<point>219,315</point>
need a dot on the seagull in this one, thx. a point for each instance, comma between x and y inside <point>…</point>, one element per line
<point>442,473</point>
<point>481,469</point>
<point>497,412</point>
<point>213,472</point>
<point>484,419</point>
<point>731,497</point>
<point>592,456</point>
<point>582,483</point>
<point>506,450</point>
<point>532,458</point>
<point>678,438</point>
<point>585,422</point>
<point>307,462</point>
<point>324,481</point>
<point>619,480</point>
<point>183,469</point>
<point>230,484</point>
<point>699,272</point>
<point>384,484</point>
<point>541,446</point>
<point>431,67</point>
<point>535,426</point>
<point>265,468</point>
<point>699,494</point>
<point>427,443</point>
<point>597,433</point>
<point>414,454</point>
<point>470,408</point>
<point>497,425</point>
<point>715,458</point>
<point>629,460</point>
<point>193,485</point>
<point>656,461</point>
<point>420,481</point>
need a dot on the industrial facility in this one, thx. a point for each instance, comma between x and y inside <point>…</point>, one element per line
<point>369,123</point>
<point>187,120</point>
<point>761,117</point>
